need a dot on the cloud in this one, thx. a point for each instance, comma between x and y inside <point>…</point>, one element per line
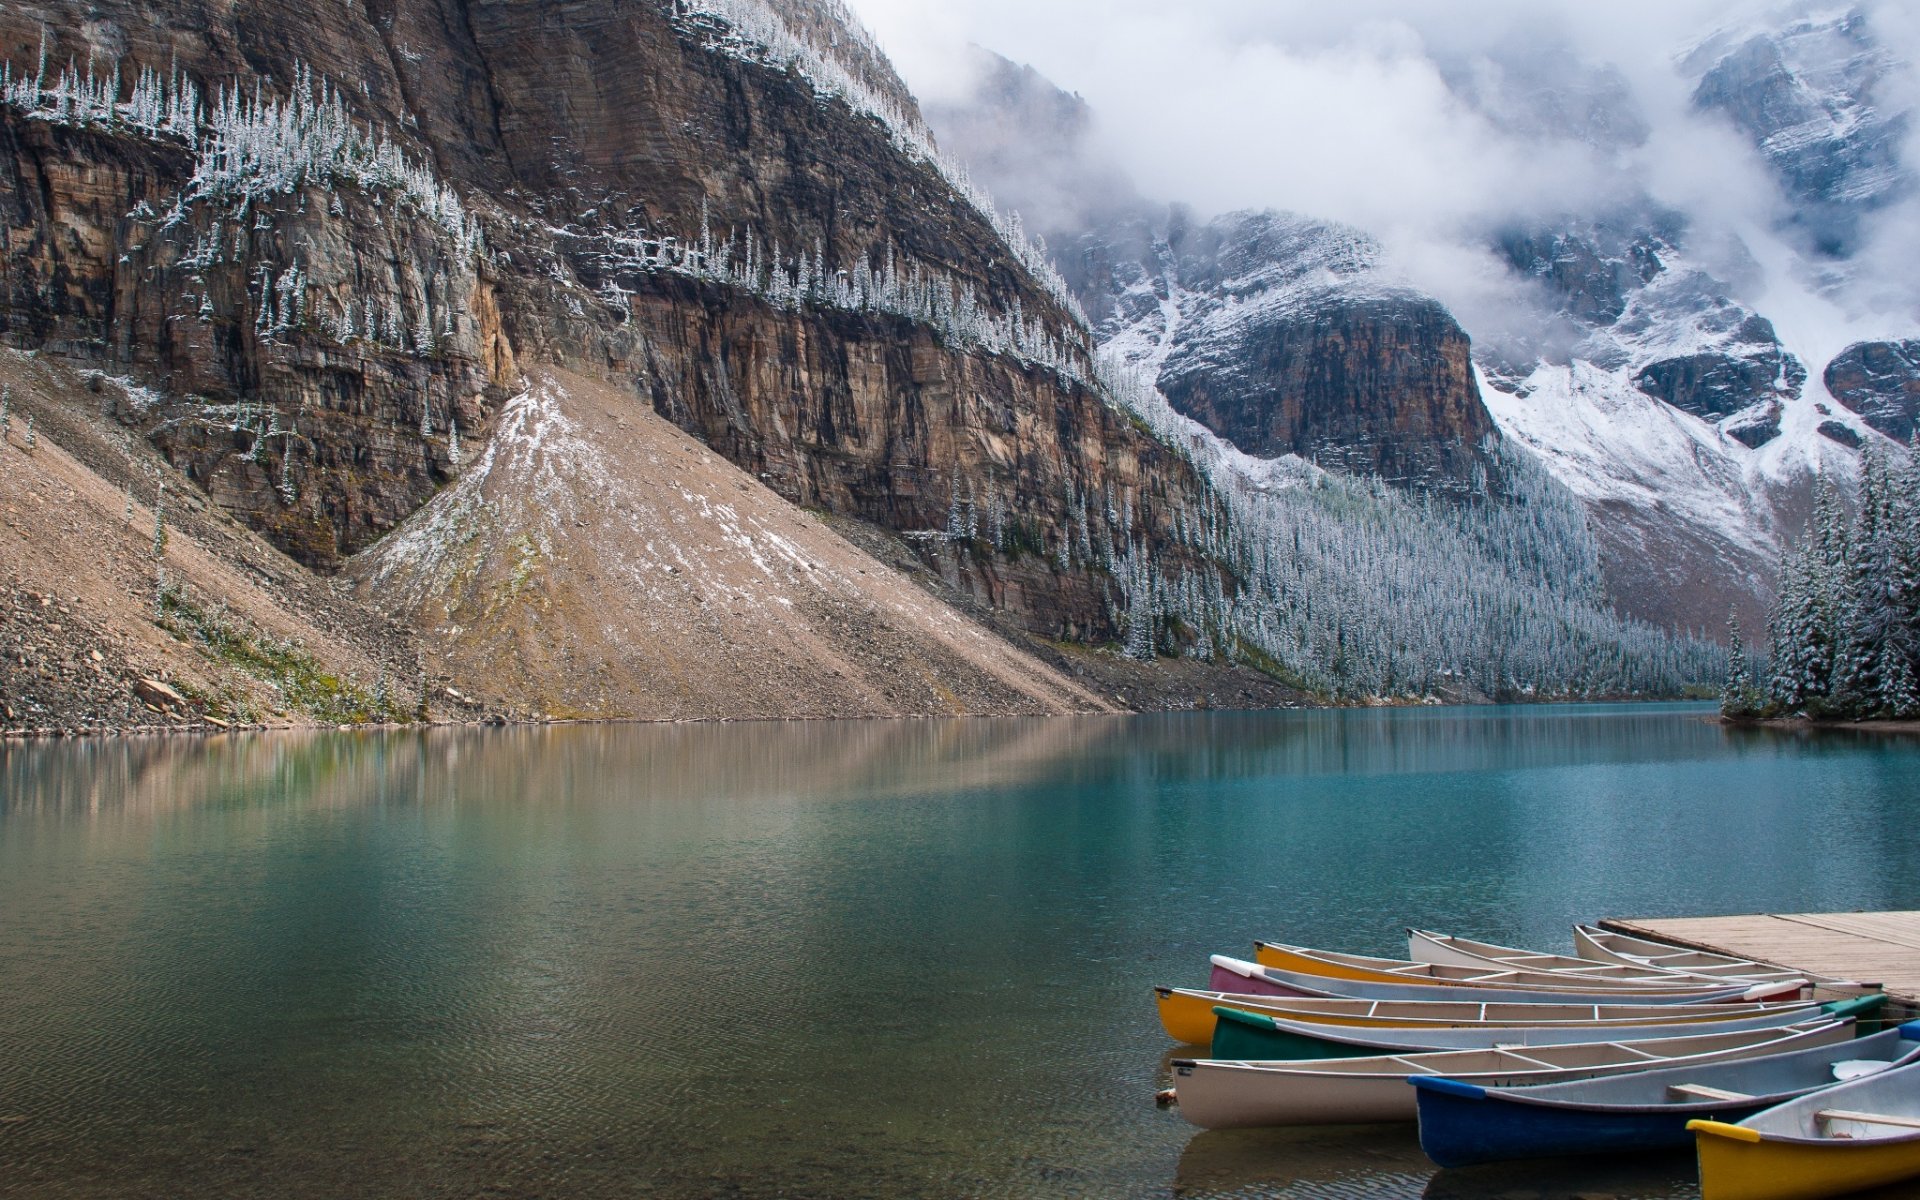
<point>1425,124</point>
<point>1336,110</point>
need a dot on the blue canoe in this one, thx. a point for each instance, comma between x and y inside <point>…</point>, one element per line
<point>1463,1123</point>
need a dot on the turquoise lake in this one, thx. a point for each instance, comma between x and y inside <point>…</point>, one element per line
<point>881,959</point>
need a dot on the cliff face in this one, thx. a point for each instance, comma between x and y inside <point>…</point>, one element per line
<point>1276,332</point>
<point>1378,385</point>
<point>1881,382</point>
<point>331,289</point>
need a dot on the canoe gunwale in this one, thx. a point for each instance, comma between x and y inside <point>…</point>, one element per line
<point>1300,1008</point>
<point>1386,1040</point>
<point>1911,1136</point>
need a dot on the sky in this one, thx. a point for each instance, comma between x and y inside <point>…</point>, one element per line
<point>1356,112</point>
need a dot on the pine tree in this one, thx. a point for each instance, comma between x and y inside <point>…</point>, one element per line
<point>1902,694</point>
<point>1739,700</point>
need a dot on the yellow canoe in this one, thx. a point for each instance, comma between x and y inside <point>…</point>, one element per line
<point>1187,1014</point>
<point>1849,1138</point>
<point>1743,1164</point>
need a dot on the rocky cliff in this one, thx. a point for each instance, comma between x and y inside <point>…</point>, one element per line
<point>329,238</point>
<point>1283,346</point>
<point>1881,382</point>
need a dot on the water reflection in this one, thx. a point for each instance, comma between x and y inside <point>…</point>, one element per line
<point>885,958</point>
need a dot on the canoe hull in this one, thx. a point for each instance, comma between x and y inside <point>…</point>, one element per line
<point>1733,1169</point>
<point>1213,1098</point>
<point>1458,1130</point>
<point>1244,1042</point>
<point>1223,980</point>
<point>1187,1019</point>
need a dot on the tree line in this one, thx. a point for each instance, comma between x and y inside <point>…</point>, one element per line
<point>1845,631</point>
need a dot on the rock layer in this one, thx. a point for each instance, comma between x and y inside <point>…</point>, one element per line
<point>561,137</point>
<point>1881,382</point>
<point>1373,386</point>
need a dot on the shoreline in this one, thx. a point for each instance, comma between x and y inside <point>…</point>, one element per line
<point>1810,725</point>
<point>210,730</point>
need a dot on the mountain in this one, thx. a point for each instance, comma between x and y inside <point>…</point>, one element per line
<point>1685,390</point>
<point>332,243</point>
<point>382,280</point>
<point>1817,97</point>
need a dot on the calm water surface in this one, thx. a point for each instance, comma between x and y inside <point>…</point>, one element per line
<point>860,960</point>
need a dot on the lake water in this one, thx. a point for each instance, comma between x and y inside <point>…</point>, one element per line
<point>881,959</point>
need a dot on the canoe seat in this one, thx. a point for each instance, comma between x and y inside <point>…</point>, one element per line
<point>1858,1068</point>
<point>1695,1091</point>
<point>1828,1116</point>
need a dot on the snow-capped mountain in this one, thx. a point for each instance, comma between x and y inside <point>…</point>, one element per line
<point>1810,97</point>
<point>1687,377</point>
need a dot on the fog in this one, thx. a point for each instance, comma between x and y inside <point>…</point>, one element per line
<point>1430,125</point>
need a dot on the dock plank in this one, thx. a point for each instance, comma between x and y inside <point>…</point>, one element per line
<point>1872,947</point>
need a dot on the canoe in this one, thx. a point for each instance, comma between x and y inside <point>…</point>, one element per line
<point>1227,1094</point>
<point>1187,1014</point>
<point>1426,946</point>
<point>1463,1123</point>
<point>1251,1035</point>
<point>1238,975</point>
<point>1621,949</point>
<point>1327,964</point>
<point>1846,1138</point>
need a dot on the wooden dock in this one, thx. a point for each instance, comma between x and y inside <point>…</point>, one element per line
<point>1872,947</point>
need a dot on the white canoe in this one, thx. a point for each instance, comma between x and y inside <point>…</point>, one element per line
<point>1218,1094</point>
<point>1624,950</point>
<point>1426,946</point>
<point>1327,973</point>
<point>1400,1040</point>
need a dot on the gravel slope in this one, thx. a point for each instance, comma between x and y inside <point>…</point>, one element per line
<point>596,562</point>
